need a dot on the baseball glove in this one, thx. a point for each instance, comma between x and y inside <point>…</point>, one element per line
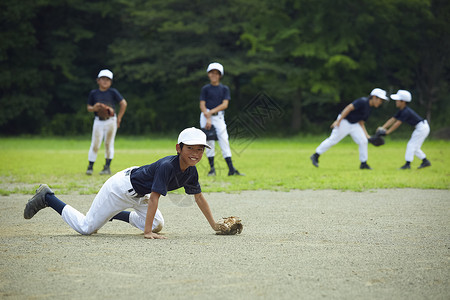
<point>376,140</point>
<point>380,131</point>
<point>229,226</point>
<point>105,112</point>
<point>211,134</point>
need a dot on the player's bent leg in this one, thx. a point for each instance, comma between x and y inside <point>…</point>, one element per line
<point>76,220</point>
<point>410,150</point>
<point>137,219</point>
<point>363,151</point>
<point>122,216</point>
<point>109,201</point>
<point>337,134</point>
<point>359,137</point>
<point>420,154</point>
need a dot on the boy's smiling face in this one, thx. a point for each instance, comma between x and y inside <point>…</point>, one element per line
<point>104,83</point>
<point>190,155</point>
<point>214,77</point>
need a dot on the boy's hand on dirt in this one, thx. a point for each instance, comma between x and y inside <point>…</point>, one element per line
<point>153,236</point>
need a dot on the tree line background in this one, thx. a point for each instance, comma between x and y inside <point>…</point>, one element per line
<point>311,57</point>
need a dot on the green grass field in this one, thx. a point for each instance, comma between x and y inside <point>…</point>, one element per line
<point>269,164</point>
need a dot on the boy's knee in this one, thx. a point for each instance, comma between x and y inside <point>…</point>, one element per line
<point>158,228</point>
<point>159,224</point>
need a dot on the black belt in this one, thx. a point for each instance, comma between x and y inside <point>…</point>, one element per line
<point>134,193</point>
<point>215,114</point>
<point>104,118</point>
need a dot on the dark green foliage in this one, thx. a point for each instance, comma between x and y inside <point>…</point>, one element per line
<point>312,57</point>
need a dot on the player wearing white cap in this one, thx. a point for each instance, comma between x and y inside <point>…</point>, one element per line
<point>139,188</point>
<point>420,133</point>
<point>214,99</point>
<point>351,121</point>
<point>104,128</point>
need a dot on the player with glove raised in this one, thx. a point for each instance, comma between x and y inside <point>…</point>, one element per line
<point>140,188</point>
<point>420,133</point>
<point>351,121</point>
<point>377,139</point>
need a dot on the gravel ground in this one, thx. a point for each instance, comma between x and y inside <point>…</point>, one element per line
<point>380,244</point>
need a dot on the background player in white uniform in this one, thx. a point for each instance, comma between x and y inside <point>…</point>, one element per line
<point>420,133</point>
<point>139,188</point>
<point>104,129</point>
<point>352,121</point>
<point>214,99</point>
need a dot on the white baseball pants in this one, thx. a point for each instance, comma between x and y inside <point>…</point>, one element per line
<point>338,133</point>
<point>103,131</point>
<point>113,197</point>
<point>418,136</point>
<point>222,135</point>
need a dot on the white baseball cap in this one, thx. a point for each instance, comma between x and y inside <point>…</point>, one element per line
<point>193,136</point>
<point>105,73</point>
<point>379,93</point>
<point>403,95</point>
<point>215,66</point>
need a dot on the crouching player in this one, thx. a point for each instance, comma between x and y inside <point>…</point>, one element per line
<point>138,188</point>
<point>420,133</point>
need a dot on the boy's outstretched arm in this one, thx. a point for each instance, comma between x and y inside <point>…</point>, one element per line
<point>204,207</point>
<point>151,211</point>
<point>391,125</point>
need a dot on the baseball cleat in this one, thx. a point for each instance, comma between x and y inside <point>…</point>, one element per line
<point>106,171</point>
<point>315,160</point>
<point>37,202</point>
<point>212,172</point>
<point>425,163</point>
<point>89,171</point>
<point>235,173</point>
<point>365,166</point>
<point>405,167</point>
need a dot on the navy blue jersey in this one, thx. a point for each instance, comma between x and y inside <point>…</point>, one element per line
<point>165,175</point>
<point>109,97</point>
<point>409,116</point>
<point>361,111</point>
<point>214,95</point>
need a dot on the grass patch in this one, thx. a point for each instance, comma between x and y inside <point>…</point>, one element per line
<point>269,164</point>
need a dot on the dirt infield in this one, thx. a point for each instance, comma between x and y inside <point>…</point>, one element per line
<point>381,244</point>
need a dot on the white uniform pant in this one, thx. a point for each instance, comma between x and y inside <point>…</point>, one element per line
<point>222,135</point>
<point>112,198</point>
<point>103,131</point>
<point>338,133</point>
<point>418,136</point>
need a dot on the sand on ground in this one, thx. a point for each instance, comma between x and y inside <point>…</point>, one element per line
<point>379,244</point>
